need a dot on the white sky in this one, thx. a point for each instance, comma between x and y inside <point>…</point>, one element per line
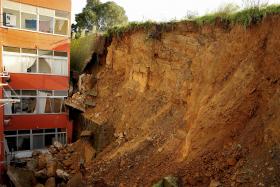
<point>161,10</point>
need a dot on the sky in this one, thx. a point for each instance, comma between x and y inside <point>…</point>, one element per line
<point>162,10</point>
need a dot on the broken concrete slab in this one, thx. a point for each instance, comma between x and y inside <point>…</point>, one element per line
<point>89,103</point>
<point>21,177</point>
<point>86,133</point>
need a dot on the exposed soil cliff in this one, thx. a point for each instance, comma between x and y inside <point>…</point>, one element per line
<point>197,102</point>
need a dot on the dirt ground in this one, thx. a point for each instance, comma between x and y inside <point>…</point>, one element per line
<point>200,104</point>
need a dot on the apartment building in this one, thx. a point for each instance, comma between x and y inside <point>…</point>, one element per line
<point>34,58</point>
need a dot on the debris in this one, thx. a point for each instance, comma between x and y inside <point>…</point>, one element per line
<point>62,174</point>
<point>50,182</point>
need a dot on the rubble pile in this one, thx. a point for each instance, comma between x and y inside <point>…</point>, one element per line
<point>61,165</point>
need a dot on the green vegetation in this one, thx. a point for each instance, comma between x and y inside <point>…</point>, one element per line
<point>228,14</point>
<point>81,50</point>
<point>99,16</point>
<point>245,17</point>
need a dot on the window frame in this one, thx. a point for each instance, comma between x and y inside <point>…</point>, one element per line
<point>54,17</point>
<point>56,132</point>
<point>20,54</point>
<point>36,112</point>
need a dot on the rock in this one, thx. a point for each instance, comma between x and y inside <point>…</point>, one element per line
<point>169,181</point>
<point>32,164</point>
<point>86,134</point>
<point>67,163</point>
<point>43,160</point>
<point>21,177</point>
<point>75,181</point>
<point>231,161</point>
<point>214,183</point>
<point>89,153</point>
<point>57,145</point>
<point>50,182</point>
<point>39,185</point>
<point>62,174</point>
<point>42,174</point>
<point>51,168</point>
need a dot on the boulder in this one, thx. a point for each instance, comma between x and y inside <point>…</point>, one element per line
<point>39,185</point>
<point>62,174</point>
<point>57,145</point>
<point>32,164</point>
<point>89,153</point>
<point>75,181</point>
<point>21,177</point>
<point>51,168</point>
<point>50,182</point>
<point>42,174</point>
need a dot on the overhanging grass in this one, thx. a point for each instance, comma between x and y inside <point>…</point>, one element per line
<point>244,17</point>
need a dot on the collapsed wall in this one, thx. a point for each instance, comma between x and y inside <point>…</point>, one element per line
<point>197,102</point>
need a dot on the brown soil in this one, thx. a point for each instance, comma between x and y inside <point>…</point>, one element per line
<point>200,103</point>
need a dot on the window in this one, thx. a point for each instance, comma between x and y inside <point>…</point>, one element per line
<point>23,60</point>
<point>46,20</point>
<point>61,26</point>
<point>28,21</point>
<point>28,17</point>
<point>22,140</point>
<point>11,59</point>
<point>23,16</point>
<point>35,102</point>
<point>29,60</point>
<point>11,14</point>
<point>45,61</point>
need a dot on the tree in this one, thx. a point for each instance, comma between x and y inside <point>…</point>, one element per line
<point>101,16</point>
<point>255,3</point>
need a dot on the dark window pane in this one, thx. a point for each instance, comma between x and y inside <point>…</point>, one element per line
<point>29,105</point>
<point>12,143</point>
<point>45,52</point>
<point>38,142</point>
<point>23,143</point>
<point>10,132</point>
<point>29,51</point>
<point>29,92</point>
<point>49,139</point>
<point>37,131</point>
<point>24,132</point>
<point>11,49</point>
<point>61,54</point>
<point>49,130</point>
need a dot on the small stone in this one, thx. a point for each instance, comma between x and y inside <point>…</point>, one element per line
<point>50,182</point>
<point>214,183</point>
<point>270,169</point>
<point>231,161</point>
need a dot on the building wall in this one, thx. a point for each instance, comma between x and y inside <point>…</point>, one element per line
<point>35,40</point>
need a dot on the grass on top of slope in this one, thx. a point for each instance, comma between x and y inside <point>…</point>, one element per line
<point>244,17</point>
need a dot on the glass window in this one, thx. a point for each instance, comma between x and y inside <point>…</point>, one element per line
<point>29,51</point>
<point>29,64</point>
<point>38,141</point>
<point>60,66</point>
<point>45,65</point>
<point>11,18</point>
<point>45,52</point>
<point>46,24</point>
<point>23,143</point>
<point>61,26</point>
<point>16,107</point>
<point>29,105</point>
<point>24,132</point>
<point>11,49</point>
<point>12,143</point>
<point>10,132</point>
<point>49,139</point>
<point>49,130</point>
<point>28,21</point>
<point>11,62</point>
<point>57,105</point>
<point>60,54</point>
<point>29,92</point>
<point>60,93</point>
<point>37,131</point>
<point>62,14</point>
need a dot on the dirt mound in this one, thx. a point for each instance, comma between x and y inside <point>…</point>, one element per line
<point>198,103</point>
